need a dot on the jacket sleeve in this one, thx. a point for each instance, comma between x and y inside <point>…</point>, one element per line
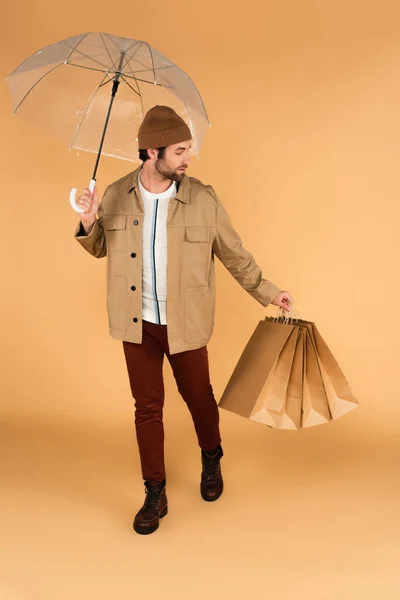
<point>95,241</point>
<point>228,247</point>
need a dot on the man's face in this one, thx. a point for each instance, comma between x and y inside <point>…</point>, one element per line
<point>175,161</point>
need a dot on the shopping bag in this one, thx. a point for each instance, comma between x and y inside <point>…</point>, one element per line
<point>251,372</point>
<point>315,406</point>
<point>337,388</point>
<point>272,398</point>
<point>295,397</point>
<point>290,417</point>
<point>287,377</point>
<point>340,396</point>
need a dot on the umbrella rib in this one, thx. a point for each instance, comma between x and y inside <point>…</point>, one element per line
<point>35,84</point>
<point>43,76</point>
<point>44,48</point>
<point>132,73</point>
<point>106,82</point>
<point>146,69</point>
<point>152,62</point>
<point>137,49</point>
<point>110,71</point>
<point>128,62</point>
<point>88,68</point>
<point>137,92</point>
<point>87,109</point>
<point>133,45</point>
<point>161,77</point>
<point>129,85</point>
<point>92,59</point>
<point>73,49</point>
<point>128,49</point>
<point>143,65</point>
<point>104,44</point>
<point>145,81</point>
<point>128,59</point>
<point>102,54</point>
<point>141,99</point>
<point>111,40</point>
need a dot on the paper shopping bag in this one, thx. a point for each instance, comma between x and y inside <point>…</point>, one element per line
<point>340,396</point>
<point>338,392</point>
<point>315,406</point>
<point>272,398</point>
<point>251,372</point>
<point>289,417</point>
<point>308,405</point>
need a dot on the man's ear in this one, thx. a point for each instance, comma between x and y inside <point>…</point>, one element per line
<point>152,152</point>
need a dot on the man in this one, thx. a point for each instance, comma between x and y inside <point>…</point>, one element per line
<point>160,231</point>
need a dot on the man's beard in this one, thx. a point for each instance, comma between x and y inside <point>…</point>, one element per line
<point>168,174</point>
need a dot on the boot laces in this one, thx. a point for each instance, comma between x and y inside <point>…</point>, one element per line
<point>152,497</point>
<point>211,467</point>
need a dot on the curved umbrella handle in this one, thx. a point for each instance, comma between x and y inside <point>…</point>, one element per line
<point>72,196</point>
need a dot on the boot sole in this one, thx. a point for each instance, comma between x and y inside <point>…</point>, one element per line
<point>208,499</point>
<point>147,530</point>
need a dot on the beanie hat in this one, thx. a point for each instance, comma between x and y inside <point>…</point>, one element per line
<point>162,126</point>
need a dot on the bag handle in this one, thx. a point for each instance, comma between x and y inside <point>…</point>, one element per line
<point>287,316</point>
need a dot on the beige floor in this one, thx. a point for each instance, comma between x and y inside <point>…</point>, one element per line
<point>310,515</point>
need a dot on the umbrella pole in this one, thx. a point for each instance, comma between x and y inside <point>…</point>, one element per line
<point>116,83</point>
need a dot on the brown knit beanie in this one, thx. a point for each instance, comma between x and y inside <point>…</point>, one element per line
<point>162,126</point>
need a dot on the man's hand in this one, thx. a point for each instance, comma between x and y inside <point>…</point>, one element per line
<point>283,300</point>
<point>90,203</point>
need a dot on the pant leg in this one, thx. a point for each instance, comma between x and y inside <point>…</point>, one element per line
<point>191,372</point>
<point>145,363</point>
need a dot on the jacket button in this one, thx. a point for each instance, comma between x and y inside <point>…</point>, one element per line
<point>134,320</point>
<point>133,288</point>
<point>136,222</point>
<point>133,255</point>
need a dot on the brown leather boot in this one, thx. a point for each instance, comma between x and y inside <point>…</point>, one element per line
<point>154,508</point>
<point>211,485</point>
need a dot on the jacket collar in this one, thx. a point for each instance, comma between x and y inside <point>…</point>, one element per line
<point>183,188</point>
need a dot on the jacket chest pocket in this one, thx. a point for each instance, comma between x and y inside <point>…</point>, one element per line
<point>115,231</point>
<point>197,244</point>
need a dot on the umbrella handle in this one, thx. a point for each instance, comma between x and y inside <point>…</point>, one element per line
<point>72,196</point>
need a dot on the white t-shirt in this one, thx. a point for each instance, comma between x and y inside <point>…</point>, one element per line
<point>154,274</point>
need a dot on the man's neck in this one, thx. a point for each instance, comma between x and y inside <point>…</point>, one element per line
<point>154,182</point>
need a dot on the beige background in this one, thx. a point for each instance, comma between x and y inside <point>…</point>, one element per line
<point>304,101</point>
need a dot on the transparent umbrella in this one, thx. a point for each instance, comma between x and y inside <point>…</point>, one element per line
<point>92,91</point>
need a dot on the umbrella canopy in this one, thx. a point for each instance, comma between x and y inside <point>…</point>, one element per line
<point>66,87</point>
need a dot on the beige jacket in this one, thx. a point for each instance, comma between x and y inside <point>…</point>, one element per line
<point>198,228</point>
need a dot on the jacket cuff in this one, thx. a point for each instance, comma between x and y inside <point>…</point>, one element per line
<point>81,233</point>
<point>270,294</point>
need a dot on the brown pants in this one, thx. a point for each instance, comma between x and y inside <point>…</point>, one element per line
<point>191,371</point>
